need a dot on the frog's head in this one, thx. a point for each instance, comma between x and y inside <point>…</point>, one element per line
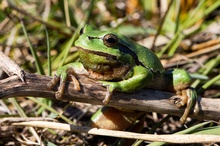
<point>101,50</point>
<point>102,43</point>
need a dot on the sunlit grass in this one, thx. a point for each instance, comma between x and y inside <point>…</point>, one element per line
<point>44,39</point>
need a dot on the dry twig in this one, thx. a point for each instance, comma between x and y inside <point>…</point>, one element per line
<point>177,138</point>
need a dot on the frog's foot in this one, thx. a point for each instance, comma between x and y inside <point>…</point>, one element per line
<point>111,86</point>
<point>188,98</point>
<point>60,91</point>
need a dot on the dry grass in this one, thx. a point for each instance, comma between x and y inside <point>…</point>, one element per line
<point>183,34</point>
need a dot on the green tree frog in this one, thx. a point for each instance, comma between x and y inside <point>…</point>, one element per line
<point>119,63</point>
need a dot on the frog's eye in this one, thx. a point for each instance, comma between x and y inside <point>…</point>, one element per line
<point>81,31</point>
<point>110,40</point>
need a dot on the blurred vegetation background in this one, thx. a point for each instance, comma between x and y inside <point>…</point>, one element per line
<point>39,36</point>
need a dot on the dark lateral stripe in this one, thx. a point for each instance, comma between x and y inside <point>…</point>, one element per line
<point>125,49</point>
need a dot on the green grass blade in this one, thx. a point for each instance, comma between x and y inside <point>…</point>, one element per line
<point>33,52</point>
<point>208,84</point>
<point>207,69</point>
<point>48,53</point>
<point>51,109</point>
<point>186,131</point>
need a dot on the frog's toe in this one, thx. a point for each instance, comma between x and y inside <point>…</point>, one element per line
<point>104,83</point>
<point>59,93</point>
<point>110,85</point>
<point>75,82</point>
<point>177,101</point>
<point>196,108</point>
<point>53,82</point>
<point>107,96</point>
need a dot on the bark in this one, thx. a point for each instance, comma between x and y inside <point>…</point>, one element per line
<point>93,93</point>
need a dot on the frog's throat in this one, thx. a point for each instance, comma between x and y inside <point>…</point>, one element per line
<point>116,74</point>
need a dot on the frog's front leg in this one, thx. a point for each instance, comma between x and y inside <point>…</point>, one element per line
<point>63,73</point>
<point>138,78</point>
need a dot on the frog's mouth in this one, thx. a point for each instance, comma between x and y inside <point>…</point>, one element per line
<point>107,56</point>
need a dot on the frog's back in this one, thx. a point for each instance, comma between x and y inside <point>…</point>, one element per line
<point>145,56</point>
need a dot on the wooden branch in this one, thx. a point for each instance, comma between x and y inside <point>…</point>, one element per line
<point>26,84</point>
<point>93,93</point>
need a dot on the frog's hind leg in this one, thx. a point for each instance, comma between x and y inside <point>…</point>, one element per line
<point>188,98</point>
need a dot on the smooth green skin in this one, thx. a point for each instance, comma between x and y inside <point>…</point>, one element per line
<point>142,76</point>
<point>145,70</point>
<point>145,56</point>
